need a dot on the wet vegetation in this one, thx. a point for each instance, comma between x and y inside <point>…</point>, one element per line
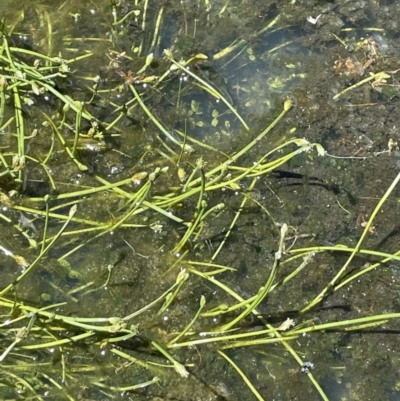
<point>199,200</point>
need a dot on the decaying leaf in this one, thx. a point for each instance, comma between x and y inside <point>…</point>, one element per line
<point>287,324</point>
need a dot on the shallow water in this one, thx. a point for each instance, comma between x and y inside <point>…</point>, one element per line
<point>260,53</point>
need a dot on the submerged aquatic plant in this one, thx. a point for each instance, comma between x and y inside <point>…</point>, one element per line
<point>69,217</point>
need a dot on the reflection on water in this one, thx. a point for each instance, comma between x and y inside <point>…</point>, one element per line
<point>255,55</point>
